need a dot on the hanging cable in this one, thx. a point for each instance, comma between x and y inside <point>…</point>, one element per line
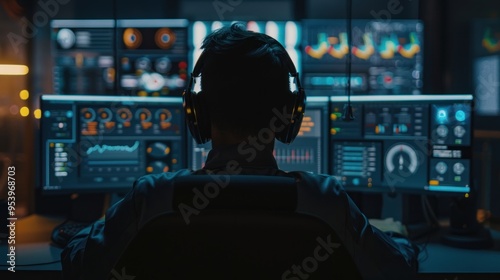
<point>115,50</point>
<point>348,112</point>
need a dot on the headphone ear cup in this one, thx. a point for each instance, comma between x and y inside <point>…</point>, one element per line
<point>197,119</point>
<point>296,112</point>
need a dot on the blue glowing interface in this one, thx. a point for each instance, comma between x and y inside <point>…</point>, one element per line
<point>386,57</point>
<point>106,143</point>
<point>403,143</point>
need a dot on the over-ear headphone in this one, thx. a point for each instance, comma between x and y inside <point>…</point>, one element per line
<point>289,119</point>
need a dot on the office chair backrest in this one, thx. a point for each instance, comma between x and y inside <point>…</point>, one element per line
<point>249,230</point>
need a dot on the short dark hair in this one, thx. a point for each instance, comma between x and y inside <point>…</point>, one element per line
<point>244,76</point>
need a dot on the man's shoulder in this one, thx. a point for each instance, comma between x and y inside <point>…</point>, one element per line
<point>310,178</point>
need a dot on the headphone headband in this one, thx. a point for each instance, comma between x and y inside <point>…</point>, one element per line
<point>198,120</point>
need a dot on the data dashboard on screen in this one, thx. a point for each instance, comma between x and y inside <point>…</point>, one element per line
<point>308,152</point>
<point>403,143</point>
<point>83,56</point>
<point>105,143</point>
<point>386,57</point>
<point>140,57</point>
<point>152,56</point>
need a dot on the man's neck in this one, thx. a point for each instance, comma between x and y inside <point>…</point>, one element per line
<point>221,139</point>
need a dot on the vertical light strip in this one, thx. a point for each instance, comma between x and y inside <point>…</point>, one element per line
<point>292,42</point>
<point>272,30</point>
<point>199,33</point>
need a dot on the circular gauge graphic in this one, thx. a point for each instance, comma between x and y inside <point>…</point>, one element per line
<point>442,116</point>
<point>105,114</point>
<point>132,38</point>
<point>163,115</point>
<point>143,63</point>
<point>401,158</point>
<point>151,81</point>
<point>158,150</point>
<point>87,114</point>
<point>458,168</point>
<point>459,131</point>
<point>460,115</point>
<point>157,167</point>
<point>163,65</point>
<point>124,115</point>
<point>441,167</point>
<point>143,115</point>
<point>66,38</point>
<point>442,131</point>
<point>387,80</point>
<point>164,38</point>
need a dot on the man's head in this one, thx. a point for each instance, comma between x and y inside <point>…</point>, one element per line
<point>245,80</point>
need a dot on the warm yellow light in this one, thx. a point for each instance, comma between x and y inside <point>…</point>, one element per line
<point>24,111</point>
<point>13,69</point>
<point>24,94</point>
<point>37,113</point>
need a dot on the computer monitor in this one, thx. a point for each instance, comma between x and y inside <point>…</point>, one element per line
<point>141,57</point>
<point>104,143</point>
<point>486,71</point>
<point>306,153</point>
<point>406,143</point>
<point>386,57</point>
<point>152,56</point>
<point>83,56</point>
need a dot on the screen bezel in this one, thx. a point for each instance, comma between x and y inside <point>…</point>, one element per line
<point>75,99</point>
<point>428,98</point>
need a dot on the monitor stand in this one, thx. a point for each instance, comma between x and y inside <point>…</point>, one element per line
<point>465,231</point>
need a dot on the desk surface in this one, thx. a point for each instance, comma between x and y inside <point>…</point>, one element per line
<point>34,252</point>
<point>33,248</point>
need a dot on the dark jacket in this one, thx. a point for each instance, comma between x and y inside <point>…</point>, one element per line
<point>92,253</point>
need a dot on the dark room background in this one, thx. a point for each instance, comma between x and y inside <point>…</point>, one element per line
<point>448,60</point>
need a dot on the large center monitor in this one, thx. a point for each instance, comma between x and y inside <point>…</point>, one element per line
<point>105,143</point>
<point>306,153</point>
<point>406,143</point>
